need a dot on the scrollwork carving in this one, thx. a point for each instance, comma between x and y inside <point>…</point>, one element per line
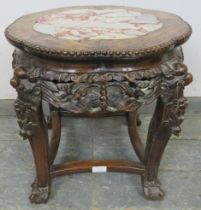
<point>64,77</point>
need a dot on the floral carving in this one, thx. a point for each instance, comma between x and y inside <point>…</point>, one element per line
<point>106,91</point>
<point>24,112</point>
<point>176,114</point>
<point>26,83</point>
<point>174,81</point>
<point>100,96</point>
<point>95,90</point>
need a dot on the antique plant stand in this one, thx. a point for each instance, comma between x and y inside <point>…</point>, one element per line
<point>95,61</point>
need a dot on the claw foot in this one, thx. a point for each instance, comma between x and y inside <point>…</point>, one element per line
<point>39,194</point>
<point>152,190</point>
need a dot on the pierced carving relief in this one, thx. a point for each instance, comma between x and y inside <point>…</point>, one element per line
<point>99,92</point>
<point>113,91</point>
<point>106,91</point>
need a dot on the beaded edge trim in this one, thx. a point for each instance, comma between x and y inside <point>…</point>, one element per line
<point>30,47</point>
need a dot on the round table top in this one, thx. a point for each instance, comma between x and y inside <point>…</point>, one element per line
<point>98,32</point>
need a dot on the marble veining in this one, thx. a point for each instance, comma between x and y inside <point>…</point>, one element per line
<point>93,24</point>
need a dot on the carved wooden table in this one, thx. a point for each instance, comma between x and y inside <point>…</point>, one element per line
<point>93,61</point>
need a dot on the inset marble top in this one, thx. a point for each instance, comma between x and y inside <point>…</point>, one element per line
<point>98,32</point>
<point>103,23</point>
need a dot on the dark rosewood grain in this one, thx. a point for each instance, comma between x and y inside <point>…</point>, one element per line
<point>99,79</point>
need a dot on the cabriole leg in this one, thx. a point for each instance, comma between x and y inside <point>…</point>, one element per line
<point>168,116</point>
<point>39,145</point>
<point>156,142</point>
<point>33,127</point>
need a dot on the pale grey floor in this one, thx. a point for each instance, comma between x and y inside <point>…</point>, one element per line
<point>102,138</point>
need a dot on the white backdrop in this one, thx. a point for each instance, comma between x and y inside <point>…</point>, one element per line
<point>189,10</point>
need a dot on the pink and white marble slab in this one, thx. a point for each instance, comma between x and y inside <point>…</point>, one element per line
<point>93,24</point>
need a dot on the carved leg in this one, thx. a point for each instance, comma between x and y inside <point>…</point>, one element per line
<point>39,145</point>
<point>56,133</point>
<point>33,127</point>
<point>168,116</point>
<point>134,136</point>
<point>156,142</point>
